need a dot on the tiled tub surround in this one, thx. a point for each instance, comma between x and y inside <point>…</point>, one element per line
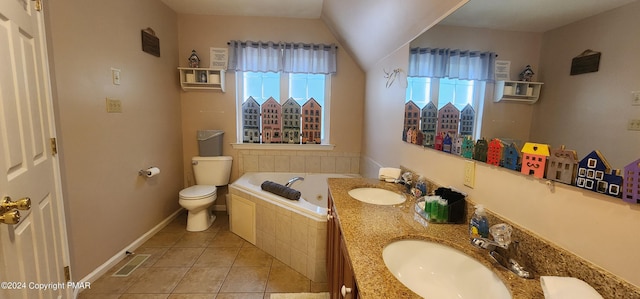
<point>292,231</point>
<point>307,161</point>
<point>367,229</point>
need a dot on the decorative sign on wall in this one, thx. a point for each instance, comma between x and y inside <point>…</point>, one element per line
<point>150,42</point>
<point>218,58</point>
<point>587,62</point>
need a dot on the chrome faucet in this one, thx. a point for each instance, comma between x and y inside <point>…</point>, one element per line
<point>503,250</point>
<point>293,180</point>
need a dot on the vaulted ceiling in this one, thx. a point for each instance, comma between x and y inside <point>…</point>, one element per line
<point>372,29</point>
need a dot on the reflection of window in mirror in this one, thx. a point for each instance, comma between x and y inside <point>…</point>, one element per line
<point>441,91</point>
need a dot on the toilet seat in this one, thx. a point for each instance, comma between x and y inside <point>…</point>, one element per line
<point>198,192</point>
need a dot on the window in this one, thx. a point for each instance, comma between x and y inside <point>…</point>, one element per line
<point>296,96</point>
<point>460,93</point>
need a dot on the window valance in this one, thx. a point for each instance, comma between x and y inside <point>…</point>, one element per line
<point>282,57</point>
<point>448,63</point>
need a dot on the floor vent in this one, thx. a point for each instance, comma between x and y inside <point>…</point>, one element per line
<point>132,265</point>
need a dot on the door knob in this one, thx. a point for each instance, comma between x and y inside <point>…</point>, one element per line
<point>21,204</point>
<point>12,217</point>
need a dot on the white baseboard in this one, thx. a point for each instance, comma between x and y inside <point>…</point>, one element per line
<point>102,269</point>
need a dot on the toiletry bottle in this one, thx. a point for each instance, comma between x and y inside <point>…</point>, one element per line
<point>479,225</point>
<point>422,185</point>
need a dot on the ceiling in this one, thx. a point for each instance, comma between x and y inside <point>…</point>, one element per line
<point>516,15</point>
<point>373,29</point>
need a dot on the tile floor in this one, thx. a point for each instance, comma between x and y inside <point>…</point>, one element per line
<point>211,264</point>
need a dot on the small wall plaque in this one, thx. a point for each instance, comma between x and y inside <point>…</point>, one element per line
<point>150,42</point>
<point>587,62</point>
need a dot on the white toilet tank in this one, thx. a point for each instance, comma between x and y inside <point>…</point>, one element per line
<point>212,170</point>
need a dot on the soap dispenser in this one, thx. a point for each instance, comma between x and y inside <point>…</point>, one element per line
<point>479,225</point>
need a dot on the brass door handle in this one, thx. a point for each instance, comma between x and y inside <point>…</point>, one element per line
<point>21,204</point>
<point>12,217</point>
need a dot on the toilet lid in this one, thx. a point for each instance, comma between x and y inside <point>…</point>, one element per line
<point>198,192</point>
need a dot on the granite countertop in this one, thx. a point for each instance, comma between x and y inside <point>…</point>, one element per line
<point>368,228</point>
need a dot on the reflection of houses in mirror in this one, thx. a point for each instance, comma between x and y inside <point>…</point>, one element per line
<point>271,121</point>
<point>595,174</point>
<point>467,120</point>
<point>562,165</point>
<point>250,118</point>
<point>494,152</point>
<point>291,121</point>
<point>311,122</point>
<point>428,122</point>
<point>480,150</point>
<point>511,156</point>
<point>631,188</point>
<point>534,159</point>
<point>411,116</point>
<point>448,120</point>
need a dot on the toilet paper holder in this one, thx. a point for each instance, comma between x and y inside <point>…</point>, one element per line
<point>149,172</point>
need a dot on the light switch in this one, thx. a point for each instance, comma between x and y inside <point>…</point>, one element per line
<point>469,173</point>
<point>635,99</point>
<point>115,76</point>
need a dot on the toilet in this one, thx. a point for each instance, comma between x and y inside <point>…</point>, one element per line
<point>209,172</point>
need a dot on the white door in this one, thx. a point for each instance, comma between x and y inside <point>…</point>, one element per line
<point>33,252</point>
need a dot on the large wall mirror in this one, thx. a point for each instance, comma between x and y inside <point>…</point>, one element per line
<point>585,112</point>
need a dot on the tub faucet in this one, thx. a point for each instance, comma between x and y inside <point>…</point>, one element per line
<point>293,180</point>
<point>503,251</point>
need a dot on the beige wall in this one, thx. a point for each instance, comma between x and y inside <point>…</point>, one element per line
<point>590,111</point>
<point>502,119</point>
<point>599,228</point>
<point>217,110</point>
<point>108,205</point>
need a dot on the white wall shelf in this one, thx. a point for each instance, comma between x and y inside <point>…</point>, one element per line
<point>517,91</point>
<point>201,79</point>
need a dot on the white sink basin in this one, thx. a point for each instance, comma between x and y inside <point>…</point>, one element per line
<point>377,196</point>
<point>433,270</point>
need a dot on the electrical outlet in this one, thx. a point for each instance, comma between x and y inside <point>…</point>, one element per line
<point>635,99</point>
<point>115,76</point>
<point>633,125</point>
<point>114,106</point>
<point>469,173</point>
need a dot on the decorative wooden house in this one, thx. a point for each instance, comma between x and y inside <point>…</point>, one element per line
<point>291,121</point>
<point>428,123</point>
<point>511,156</point>
<point>467,147</point>
<point>419,137</point>
<point>311,122</point>
<point>250,121</point>
<point>534,159</point>
<point>494,152</point>
<point>562,165</point>
<point>480,150</point>
<point>411,116</point>
<point>438,143</point>
<point>467,120</point>
<point>595,174</point>
<point>447,143</point>
<point>457,146</point>
<point>271,121</point>
<point>448,120</point>
<point>631,185</point>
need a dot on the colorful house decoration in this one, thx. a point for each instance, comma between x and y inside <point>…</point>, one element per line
<point>534,159</point>
<point>447,143</point>
<point>494,152</point>
<point>411,116</point>
<point>428,123</point>
<point>631,185</point>
<point>595,174</point>
<point>467,120</point>
<point>311,122</point>
<point>291,121</point>
<point>271,121</point>
<point>511,156</point>
<point>467,147</point>
<point>250,121</point>
<point>457,146</point>
<point>438,143</point>
<point>562,165</point>
<point>448,120</point>
<point>480,150</point>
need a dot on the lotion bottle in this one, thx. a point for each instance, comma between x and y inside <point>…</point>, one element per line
<point>479,225</point>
